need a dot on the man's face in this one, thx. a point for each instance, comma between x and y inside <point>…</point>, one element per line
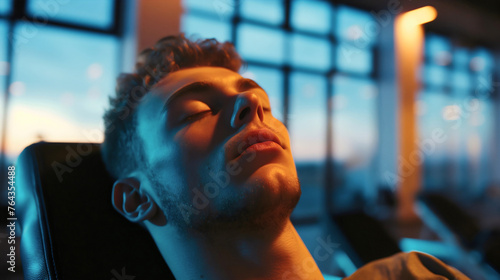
<point>215,155</point>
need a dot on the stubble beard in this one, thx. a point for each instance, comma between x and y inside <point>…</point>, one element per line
<point>233,213</point>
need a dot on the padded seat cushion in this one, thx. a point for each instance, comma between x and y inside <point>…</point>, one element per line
<point>69,227</point>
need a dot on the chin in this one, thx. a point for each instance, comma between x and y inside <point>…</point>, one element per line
<point>263,200</point>
<point>264,166</point>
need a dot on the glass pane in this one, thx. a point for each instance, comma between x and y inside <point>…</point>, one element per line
<point>434,75</point>
<point>354,117</point>
<point>271,80</point>
<point>95,13</point>
<point>205,27</point>
<point>270,11</point>
<point>60,87</point>
<point>467,128</point>
<point>311,52</point>
<point>482,61</point>
<point>438,49</point>
<point>481,151</point>
<point>260,43</point>
<point>308,117</point>
<point>5,7</point>
<point>437,113</point>
<point>356,26</point>
<point>461,80</point>
<point>4,69</point>
<point>483,84</point>
<point>314,16</point>
<point>354,133</point>
<point>223,8</point>
<point>455,145</point>
<point>307,127</point>
<point>482,64</point>
<point>475,128</point>
<point>461,59</point>
<point>351,59</point>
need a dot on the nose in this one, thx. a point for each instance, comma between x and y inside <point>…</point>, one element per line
<point>247,107</point>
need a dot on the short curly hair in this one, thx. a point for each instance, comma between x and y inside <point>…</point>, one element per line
<point>122,149</point>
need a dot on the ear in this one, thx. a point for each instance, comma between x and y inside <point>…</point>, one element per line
<point>130,200</point>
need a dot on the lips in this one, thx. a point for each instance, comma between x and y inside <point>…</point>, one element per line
<point>250,138</point>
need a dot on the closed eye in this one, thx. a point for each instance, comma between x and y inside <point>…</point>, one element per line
<point>196,116</point>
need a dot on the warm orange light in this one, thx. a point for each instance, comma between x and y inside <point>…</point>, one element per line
<point>420,16</point>
<point>409,38</point>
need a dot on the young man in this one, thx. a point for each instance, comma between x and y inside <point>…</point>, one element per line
<point>201,162</point>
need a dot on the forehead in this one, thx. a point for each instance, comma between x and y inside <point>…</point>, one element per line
<point>178,79</point>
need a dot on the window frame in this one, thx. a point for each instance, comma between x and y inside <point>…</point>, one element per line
<point>453,166</point>
<point>19,13</point>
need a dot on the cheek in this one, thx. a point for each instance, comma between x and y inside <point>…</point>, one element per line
<point>282,130</point>
<point>200,146</point>
<point>196,141</point>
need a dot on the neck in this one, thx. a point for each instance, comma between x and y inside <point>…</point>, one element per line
<point>260,254</point>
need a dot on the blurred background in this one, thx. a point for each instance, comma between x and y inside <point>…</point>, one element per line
<point>394,115</point>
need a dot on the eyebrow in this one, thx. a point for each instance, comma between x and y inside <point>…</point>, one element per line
<point>247,84</point>
<point>192,87</point>
<point>243,84</point>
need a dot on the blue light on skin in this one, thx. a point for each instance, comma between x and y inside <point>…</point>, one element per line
<point>244,231</point>
<point>271,81</point>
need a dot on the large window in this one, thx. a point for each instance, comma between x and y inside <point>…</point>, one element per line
<point>4,69</point>
<point>315,60</point>
<point>457,97</point>
<point>57,70</point>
